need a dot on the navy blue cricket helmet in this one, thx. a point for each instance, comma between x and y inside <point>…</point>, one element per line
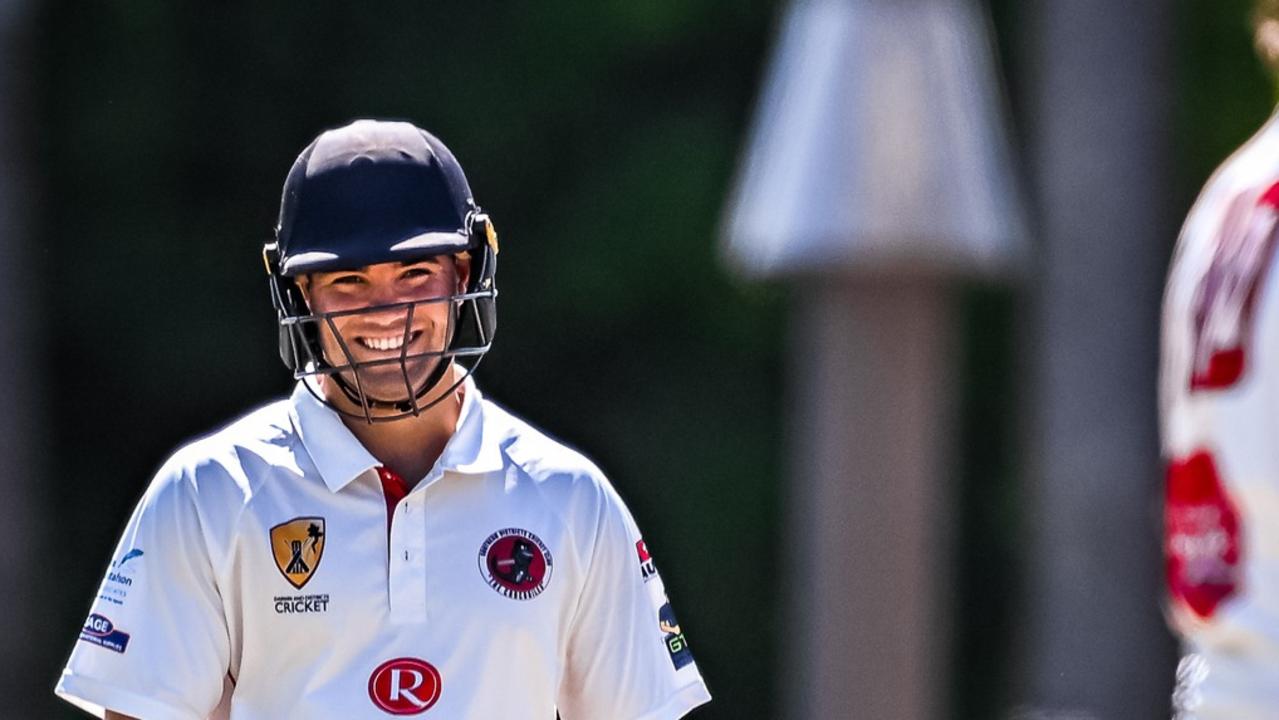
<point>372,192</point>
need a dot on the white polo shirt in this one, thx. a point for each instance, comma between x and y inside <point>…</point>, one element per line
<point>1219,401</point>
<point>258,577</point>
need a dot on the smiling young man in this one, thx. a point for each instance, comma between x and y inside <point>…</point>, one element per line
<point>385,542</point>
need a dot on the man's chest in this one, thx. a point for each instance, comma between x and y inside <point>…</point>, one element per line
<point>452,573</point>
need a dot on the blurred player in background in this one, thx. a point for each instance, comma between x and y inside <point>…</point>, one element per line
<point>385,541</point>
<point>1219,407</point>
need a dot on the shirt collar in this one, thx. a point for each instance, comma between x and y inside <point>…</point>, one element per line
<point>337,454</point>
<point>340,457</point>
<point>474,447</point>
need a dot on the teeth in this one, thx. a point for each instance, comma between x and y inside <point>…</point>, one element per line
<point>393,342</point>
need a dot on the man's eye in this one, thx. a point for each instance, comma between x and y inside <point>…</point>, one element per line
<point>415,272</point>
<point>346,280</point>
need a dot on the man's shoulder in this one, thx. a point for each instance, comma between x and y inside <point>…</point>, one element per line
<point>1251,171</point>
<point>263,427</point>
<point>535,451</point>
<point>1225,215</point>
<point>568,479</point>
<point>234,454</point>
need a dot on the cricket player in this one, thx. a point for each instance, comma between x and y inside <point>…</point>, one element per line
<point>385,541</point>
<point>1219,407</point>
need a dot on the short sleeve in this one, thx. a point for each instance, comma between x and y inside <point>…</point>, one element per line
<point>627,656</point>
<point>155,644</point>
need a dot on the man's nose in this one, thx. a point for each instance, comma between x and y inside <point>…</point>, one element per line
<point>384,293</point>
<point>390,317</point>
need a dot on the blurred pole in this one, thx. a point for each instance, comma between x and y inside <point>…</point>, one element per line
<point>876,177</point>
<point>872,374</point>
<point>20,433</point>
<point>1099,92</point>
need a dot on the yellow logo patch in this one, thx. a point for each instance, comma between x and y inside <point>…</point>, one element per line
<point>297,546</point>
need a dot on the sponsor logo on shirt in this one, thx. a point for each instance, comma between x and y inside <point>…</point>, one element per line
<point>297,546</point>
<point>648,570</point>
<point>1201,536</point>
<point>134,553</point>
<point>516,563</point>
<point>1224,301</point>
<point>676,644</point>
<point>118,573</point>
<point>120,578</point>
<point>99,630</point>
<point>300,604</point>
<point>404,686</point>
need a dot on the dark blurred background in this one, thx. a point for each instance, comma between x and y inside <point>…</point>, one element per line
<point>603,138</point>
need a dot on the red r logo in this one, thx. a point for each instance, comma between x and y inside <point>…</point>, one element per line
<point>404,686</point>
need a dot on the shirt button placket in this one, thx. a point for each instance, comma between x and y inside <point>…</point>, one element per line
<point>408,602</point>
<point>406,573</point>
<point>414,553</point>
<point>407,510</point>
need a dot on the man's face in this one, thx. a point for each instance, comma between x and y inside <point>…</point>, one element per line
<point>382,334</point>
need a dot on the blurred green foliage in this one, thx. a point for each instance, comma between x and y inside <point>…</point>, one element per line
<point>1223,91</point>
<point>602,137</point>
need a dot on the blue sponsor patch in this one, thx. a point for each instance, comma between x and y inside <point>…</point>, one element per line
<point>676,644</point>
<point>99,630</point>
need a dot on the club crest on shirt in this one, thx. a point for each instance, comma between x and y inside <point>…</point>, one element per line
<point>516,563</point>
<point>297,546</point>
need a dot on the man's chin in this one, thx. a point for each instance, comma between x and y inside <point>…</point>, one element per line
<point>387,387</point>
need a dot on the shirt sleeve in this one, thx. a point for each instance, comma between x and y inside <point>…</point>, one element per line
<point>155,644</point>
<point>628,658</point>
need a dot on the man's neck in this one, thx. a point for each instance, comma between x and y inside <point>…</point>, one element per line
<point>412,445</point>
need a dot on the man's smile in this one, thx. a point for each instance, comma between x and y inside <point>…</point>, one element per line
<point>383,343</point>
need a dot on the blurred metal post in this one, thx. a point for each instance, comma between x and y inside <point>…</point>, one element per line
<point>19,422</point>
<point>1099,93</point>
<point>877,174</point>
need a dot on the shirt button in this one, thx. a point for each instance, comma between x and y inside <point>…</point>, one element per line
<point>406,556</point>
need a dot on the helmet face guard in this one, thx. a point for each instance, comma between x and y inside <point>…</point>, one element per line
<point>471,322</point>
<point>369,193</point>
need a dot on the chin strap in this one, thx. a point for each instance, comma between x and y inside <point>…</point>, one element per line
<point>405,408</point>
<point>408,406</point>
